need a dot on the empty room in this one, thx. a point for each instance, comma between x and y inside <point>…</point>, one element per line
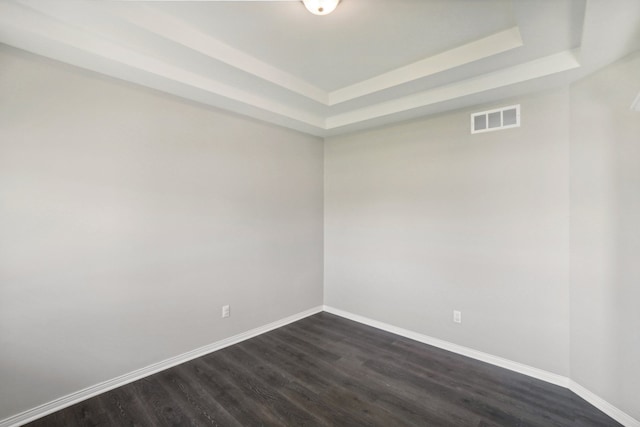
<point>320,213</point>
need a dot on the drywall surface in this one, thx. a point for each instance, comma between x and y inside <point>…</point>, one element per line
<point>129,217</point>
<point>424,218</point>
<point>605,235</point>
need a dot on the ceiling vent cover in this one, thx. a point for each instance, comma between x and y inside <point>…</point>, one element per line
<point>500,118</point>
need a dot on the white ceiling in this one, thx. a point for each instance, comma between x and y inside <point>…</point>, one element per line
<point>351,45</point>
<point>371,62</point>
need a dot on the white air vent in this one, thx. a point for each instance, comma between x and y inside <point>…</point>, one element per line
<point>500,118</point>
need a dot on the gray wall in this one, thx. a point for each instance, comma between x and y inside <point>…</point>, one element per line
<point>128,218</point>
<point>605,235</point>
<point>423,218</point>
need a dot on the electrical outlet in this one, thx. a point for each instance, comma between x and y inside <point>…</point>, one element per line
<point>457,316</point>
<point>225,311</point>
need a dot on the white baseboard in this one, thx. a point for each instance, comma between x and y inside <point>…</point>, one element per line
<point>606,407</point>
<point>455,348</point>
<point>71,399</point>
<point>615,413</point>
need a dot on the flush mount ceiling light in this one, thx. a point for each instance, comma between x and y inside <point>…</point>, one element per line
<point>321,7</point>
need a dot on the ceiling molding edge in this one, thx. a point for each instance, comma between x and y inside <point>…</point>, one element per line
<point>41,32</point>
<point>176,30</point>
<point>552,64</point>
<point>447,60</point>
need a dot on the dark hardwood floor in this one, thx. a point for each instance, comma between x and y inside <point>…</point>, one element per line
<point>328,371</point>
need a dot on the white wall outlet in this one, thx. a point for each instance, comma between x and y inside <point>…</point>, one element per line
<point>457,316</point>
<point>225,311</point>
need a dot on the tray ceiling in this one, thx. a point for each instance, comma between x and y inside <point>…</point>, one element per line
<point>369,63</point>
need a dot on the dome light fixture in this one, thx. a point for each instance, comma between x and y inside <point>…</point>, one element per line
<point>321,7</point>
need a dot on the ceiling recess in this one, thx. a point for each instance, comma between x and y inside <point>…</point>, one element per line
<point>369,63</point>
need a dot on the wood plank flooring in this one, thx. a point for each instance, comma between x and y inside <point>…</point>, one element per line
<point>328,371</point>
